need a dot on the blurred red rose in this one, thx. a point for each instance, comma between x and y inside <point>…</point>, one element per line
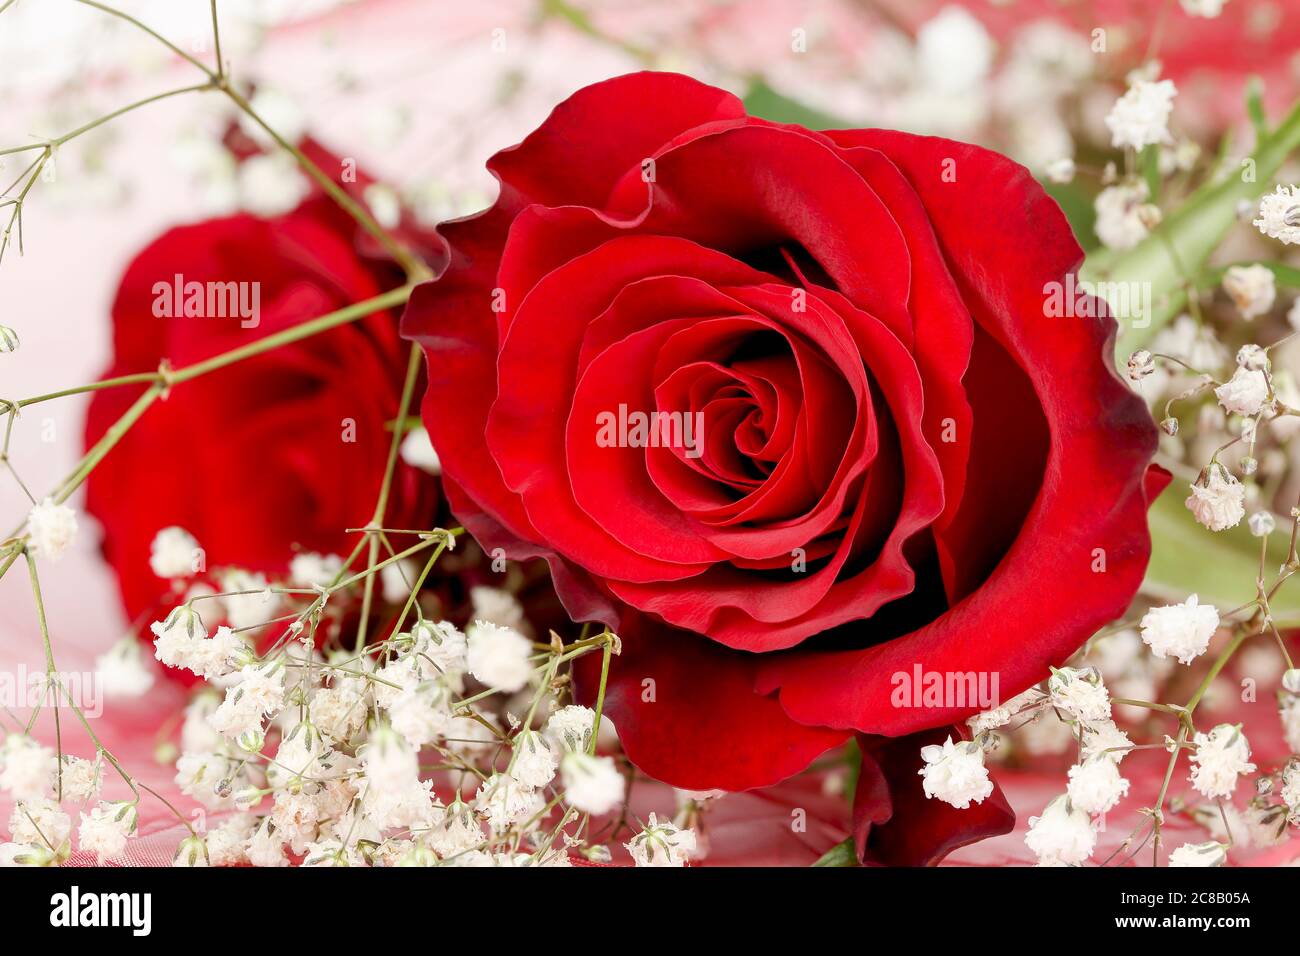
<point>273,453</point>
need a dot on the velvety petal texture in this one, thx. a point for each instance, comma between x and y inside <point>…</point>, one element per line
<point>788,409</point>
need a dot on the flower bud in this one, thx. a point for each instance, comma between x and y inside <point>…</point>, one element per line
<point>192,852</point>
<point>8,339</point>
<point>1169,426</point>
<point>1261,523</point>
<point>1291,680</point>
<point>1140,365</point>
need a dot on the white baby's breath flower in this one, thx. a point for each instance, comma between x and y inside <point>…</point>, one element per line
<point>661,844</point>
<point>1289,710</point>
<point>395,581</point>
<point>1180,630</point>
<point>271,184</point>
<point>52,527</point>
<point>499,607</point>
<point>1120,222</point>
<point>442,644</point>
<point>266,847</point>
<point>105,829</point>
<point>172,553</point>
<point>1096,786</point>
<point>954,51</point>
<point>498,656</point>
<point>1203,8</point>
<point>1261,523</point>
<point>570,727</point>
<point>1279,215</point>
<point>504,802</point>
<point>1199,854</point>
<point>1141,116</point>
<point>25,767</point>
<point>1080,693</point>
<point>534,761</point>
<point>390,763</point>
<point>955,773</point>
<point>40,823</point>
<point>1218,499</point>
<point>1253,289</point>
<point>1060,171</point>
<point>591,784</point>
<point>1104,738</point>
<point>177,636</point>
<point>1221,756</point>
<point>989,720</point>
<point>455,829</point>
<point>258,694</point>
<point>1062,834</point>
<point>418,452</point>
<point>1245,393</point>
<point>192,852</point>
<point>122,670</point>
<point>310,569</point>
<point>81,778</point>
<point>250,603</point>
<point>422,714</point>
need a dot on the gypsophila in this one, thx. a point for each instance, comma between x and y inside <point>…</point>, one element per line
<point>570,727</point>
<point>1119,215</point>
<point>498,656</point>
<point>1180,630</point>
<point>1221,757</point>
<point>81,779</point>
<point>1080,693</point>
<point>52,527</point>
<point>1104,738</point>
<point>25,767</point>
<point>1203,8</point>
<point>1218,499</point>
<point>310,569</point>
<point>105,829</point>
<point>1141,116</point>
<point>534,762</point>
<point>1199,854</point>
<point>122,671</point>
<point>1095,785</point>
<point>40,823</point>
<point>1279,215</point>
<point>417,451</point>
<point>955,773</point>
<point>442,644</point>
<point>504,802</point>
<point>1245,393</point>
<point>661,844</point>
<point>1140,365</point>
<point>1252,289</point>
<point>591,784</point>
<point>172,553</point>
<point>1061,834</point>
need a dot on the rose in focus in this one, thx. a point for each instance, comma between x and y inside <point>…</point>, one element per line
<point>898,459</point>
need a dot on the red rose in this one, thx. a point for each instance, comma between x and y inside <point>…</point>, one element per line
<point>902,460</point>
<point>283,450</point>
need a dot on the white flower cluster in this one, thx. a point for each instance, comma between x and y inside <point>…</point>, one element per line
<point>46,791</point>
<point>320,759</point>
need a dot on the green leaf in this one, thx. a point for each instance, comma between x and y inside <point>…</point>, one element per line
<point>766,103</point>
<point>1187,237</point>
<point>841,854</point>
<point>1218,566</point>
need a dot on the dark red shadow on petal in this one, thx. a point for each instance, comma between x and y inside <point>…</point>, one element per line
<point>895,824</point>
